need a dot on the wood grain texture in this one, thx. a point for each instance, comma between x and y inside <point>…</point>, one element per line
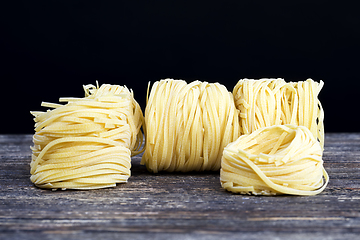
<point>178,205</point>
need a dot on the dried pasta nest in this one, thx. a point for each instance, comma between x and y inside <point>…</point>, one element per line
<point>267,102</point>
<point>188,125</point>
<point>87,143</point>
<point>280,159</point>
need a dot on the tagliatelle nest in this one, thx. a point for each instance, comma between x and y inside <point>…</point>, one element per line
<point>267,102</point>
<point>281,159</point>
<point>188,125</point>
<point>86,143</point>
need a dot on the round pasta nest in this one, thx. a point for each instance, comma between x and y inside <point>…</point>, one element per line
<point>87,143</point>
<point>280,159</point>
<point>267,102</point>
<point>188,125</point>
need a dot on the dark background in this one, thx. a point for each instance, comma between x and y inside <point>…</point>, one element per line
<point>49,49</point>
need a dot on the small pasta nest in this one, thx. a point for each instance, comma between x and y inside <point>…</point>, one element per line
<point>280,159</point>
<point>188,125</point>
<point>87,143</point>
<point>267,102</point>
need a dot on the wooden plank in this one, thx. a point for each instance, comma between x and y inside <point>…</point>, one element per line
<point>178,205</point>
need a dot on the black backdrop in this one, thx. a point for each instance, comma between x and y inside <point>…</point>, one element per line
<point>49,49</point>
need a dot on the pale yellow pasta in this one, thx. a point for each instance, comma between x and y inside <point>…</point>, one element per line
<point>280,159</point>
<point>267,102</point>
<point>188,125</point>
<point>87,143</point>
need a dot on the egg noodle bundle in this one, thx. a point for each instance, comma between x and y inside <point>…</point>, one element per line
<point>281,159</point>
<point>268,102</point>
<point>188,125</point>
<point>87,143</point>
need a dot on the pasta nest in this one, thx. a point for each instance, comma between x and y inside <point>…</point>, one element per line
<point>280,159</point>
<point>268,102</point>
<point>188,125</point>
<point>87,143</point>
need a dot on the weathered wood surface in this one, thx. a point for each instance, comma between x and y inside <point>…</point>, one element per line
<point>178,206</point>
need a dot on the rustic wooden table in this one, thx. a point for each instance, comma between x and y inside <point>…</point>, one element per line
<point>177,205</point>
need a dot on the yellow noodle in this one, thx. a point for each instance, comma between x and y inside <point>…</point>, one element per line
<point>267,102</point>
<point>188,125</point>
<point>291,164</point>
<point>87,143</point>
